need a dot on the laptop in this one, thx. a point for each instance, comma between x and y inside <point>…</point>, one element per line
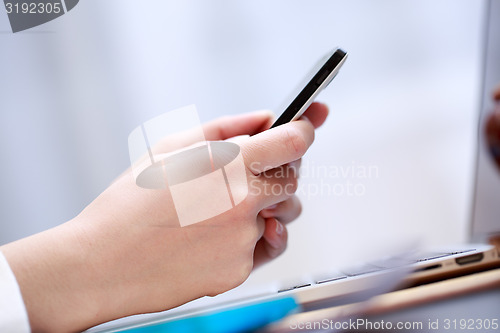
<point>404,269</point>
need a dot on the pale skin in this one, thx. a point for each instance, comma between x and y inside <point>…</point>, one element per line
<point>121,256</point>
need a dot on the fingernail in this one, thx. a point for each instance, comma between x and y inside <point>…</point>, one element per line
<point>279,228</point>
<point>272,206</point>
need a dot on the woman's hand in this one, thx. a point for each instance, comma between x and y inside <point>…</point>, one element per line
<point>124,254</point>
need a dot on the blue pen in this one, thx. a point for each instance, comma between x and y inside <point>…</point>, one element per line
<point>240,319</point>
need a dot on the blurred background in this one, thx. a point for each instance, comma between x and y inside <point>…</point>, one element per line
<point>392,166</point>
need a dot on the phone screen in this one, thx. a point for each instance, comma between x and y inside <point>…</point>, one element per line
<point>315,82</point>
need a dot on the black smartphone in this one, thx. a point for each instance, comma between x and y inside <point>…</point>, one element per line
<point>316,81</point>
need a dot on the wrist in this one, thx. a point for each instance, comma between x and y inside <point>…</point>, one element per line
<point>51,270</point>
<point>123,275</point>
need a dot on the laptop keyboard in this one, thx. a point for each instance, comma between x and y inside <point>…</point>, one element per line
<point>378,265</point>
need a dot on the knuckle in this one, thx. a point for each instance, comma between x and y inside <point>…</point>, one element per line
<point>240,274</point>
<point>245,271</point>
<point>233,276</point>
<point>222,127</point>
<point>296,142</point>
<point>249,235</point>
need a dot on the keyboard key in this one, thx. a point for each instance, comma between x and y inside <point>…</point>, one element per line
<point>295,287</point>
<point>330,276</point>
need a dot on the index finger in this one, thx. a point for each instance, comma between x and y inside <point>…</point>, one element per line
<point>278,146</point>
<point>317,113</point>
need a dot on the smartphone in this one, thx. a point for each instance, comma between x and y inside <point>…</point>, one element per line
<point>319,78</point>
